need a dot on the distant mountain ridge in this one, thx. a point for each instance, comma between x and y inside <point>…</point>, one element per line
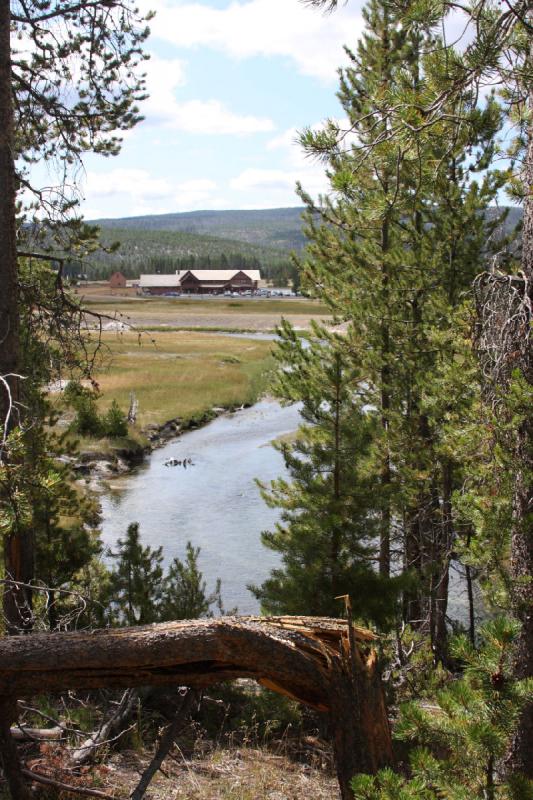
<point>276,228</point>
<point>273,228</point>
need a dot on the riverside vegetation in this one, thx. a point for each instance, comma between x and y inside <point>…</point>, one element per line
<point>415,451</point>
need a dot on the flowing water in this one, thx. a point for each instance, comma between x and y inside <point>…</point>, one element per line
<point>214,502</point>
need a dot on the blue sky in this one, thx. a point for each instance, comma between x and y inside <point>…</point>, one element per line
<point>230,82</point>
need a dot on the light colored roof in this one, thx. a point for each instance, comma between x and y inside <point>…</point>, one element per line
<point>164,281</point>
<point>221,274</point>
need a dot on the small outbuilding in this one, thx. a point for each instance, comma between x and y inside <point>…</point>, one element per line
<point>117,281</point>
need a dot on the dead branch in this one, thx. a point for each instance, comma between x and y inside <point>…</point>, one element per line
<point>165,743</point>
<point>65,787</point>
<point>107,731</point>
<point>22,733</point>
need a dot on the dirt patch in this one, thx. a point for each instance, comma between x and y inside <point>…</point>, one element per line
<point>224,774</point>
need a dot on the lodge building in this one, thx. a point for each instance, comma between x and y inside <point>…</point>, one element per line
<point>202,281</point>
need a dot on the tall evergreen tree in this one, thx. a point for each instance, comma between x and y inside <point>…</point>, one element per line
<point>184,590</point>
<point>329,527</point>
<point>389,254</point>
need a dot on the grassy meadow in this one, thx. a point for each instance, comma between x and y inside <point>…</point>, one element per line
<point>181,374</point>
<point>229,314</point>
<point>218,305</point>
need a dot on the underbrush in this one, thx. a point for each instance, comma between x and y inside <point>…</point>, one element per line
<point>240,742</point>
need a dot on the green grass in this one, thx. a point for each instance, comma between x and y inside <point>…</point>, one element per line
<point>201,329</point>
<point>182,374</point>
<point>219,306</point>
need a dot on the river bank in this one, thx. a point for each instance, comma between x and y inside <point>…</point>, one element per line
<point>119,457</point>
<point>180,381</point>
<point>212,501</point>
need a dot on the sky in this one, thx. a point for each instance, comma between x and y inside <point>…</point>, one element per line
<point>231,82</point>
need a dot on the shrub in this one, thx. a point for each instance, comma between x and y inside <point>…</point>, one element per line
<point>87,422</point>
<point>115,423</point>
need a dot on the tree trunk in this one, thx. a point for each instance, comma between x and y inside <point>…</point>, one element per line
<point>522,531</point>
<point>308,659</point>
<point>8,750</point>
<point>18,551</point>
<point>9,318</point>
<point>444,550</point>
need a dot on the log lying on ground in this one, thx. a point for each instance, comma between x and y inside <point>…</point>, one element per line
<point>23,733</point>
<point>319,662</point>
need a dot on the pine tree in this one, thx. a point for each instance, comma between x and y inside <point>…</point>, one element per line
<point>392,252</point>
<point>136,581</point>
<point>184,590</point>
<point>328,529</point>
<point>461,736</point>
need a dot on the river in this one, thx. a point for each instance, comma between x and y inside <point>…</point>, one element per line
<point>214,502</point>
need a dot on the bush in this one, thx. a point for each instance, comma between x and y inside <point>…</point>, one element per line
<point>115,422</point>
<point>87,421</point>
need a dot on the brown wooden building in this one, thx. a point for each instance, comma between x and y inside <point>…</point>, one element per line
<point>117,281</point>
<point>218,281</point>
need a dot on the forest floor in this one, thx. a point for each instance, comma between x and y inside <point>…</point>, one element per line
<point>239,773</point>
<point>223,773</point>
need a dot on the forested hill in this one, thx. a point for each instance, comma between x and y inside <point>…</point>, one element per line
<point>277,228</point>
<point>153,250</point>
<point>210,239</point>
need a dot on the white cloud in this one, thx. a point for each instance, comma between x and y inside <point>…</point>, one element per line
<point>162,108</point>
<point>133,182</point>
<point>286,139</point>
<point>247,28</point>
<point>212,117</point>
<point>258,179</point>
<point>163,77</point>
<point>277,183</point>
<point>110,193</point>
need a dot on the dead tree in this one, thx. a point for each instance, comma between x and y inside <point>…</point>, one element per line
<point>323,663</point>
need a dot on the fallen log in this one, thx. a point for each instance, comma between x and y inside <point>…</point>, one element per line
<point>22,733</point>
<point>36,777</point>
<point>323,663</point>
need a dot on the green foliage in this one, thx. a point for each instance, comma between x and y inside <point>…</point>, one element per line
<point>327,532</point>
<point>115,422</point>
<point>136,581</point>
<point>393,251</point>
<point>184,591</point>
<point>462,735</point>
<point>140,593</point>
<point>88,422</point>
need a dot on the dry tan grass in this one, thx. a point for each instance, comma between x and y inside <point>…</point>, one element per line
<point>224,774</point>
<point>226,313</point>
<point>182,374</point>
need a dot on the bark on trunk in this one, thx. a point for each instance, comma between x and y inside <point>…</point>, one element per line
<point>9,320</point>
<point>8,750</point>
<point>18,554</point>
<point>306,658</point>
<point>522,530</point>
